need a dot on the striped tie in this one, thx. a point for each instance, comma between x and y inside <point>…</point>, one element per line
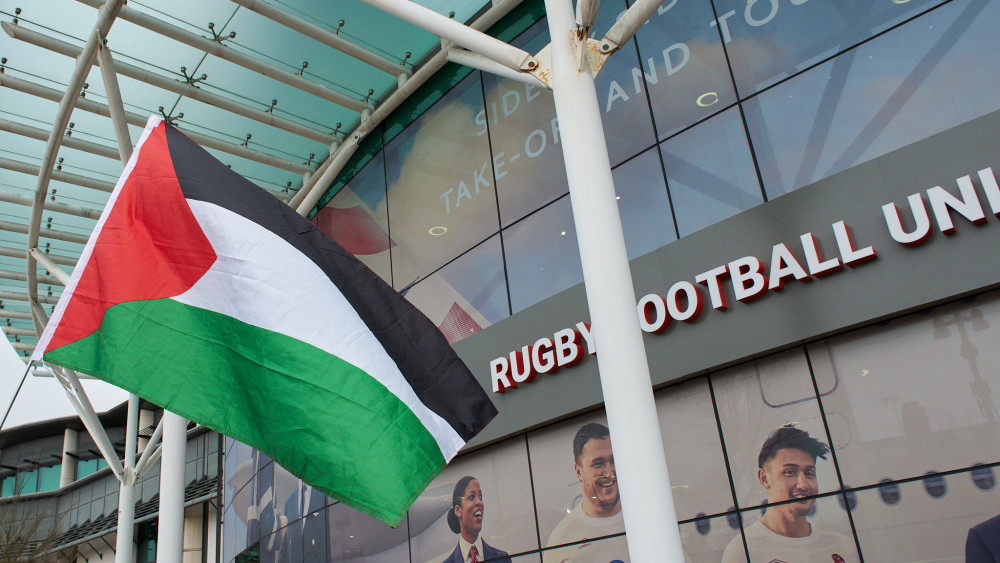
<point>473,555</point>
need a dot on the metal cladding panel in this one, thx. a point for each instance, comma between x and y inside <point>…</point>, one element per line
<point>901,279</point>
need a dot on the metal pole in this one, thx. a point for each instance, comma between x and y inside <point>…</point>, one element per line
<point>126,491</point>
<point>647,504</point>
<point>170,536</point>
<point>81,403</point>
<point>454,31</point>
<point>146,460</point>
<point>323,36</point>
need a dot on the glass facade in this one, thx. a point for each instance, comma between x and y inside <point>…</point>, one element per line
<point>912,429</point>
<point>716,107</point>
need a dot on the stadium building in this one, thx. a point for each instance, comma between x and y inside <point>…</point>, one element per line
<point>809,196</point>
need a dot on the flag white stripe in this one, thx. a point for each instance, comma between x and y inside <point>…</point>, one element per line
<point>263,281</point>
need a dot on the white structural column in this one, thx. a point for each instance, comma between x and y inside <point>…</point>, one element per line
<point>67,473</point>
<point>170,535</point>
<point>126,489</point>
<point>647,503</point>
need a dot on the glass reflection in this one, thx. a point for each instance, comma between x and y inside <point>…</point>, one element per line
<point>440,181</point>
<point>355,536</point>
<point>542,254</point>
<point>643,204</point>
<point>918,80</point>
<point>683,65</point>
<point>919,527</point>
<point>768,40</point>
<point>770,399</point>
<point>826,535</point>
<point>693,450</point>
<point>524,132</point>
<point>357,220</point>
<point>477,500</point>
<point>576,491</point>
<point>467,295</point>
<point>710,173</point>
<point>524,136</point>
<point>915,394</point>
<point>705,539</point>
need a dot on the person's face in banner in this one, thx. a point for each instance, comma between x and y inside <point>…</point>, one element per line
<point>470,511</point>
<point>595,469</point>
<point>790,474</point>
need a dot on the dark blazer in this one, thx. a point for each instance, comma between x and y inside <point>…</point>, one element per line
<point>983,543</point>
<point>490,554</point>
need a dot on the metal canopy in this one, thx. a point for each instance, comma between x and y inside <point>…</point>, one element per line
<point>272,88</point>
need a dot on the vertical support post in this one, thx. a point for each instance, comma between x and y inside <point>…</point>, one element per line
<point>126,490</point>
<point>67,473</point>
<point>647,503</point>
<point>170,535</point>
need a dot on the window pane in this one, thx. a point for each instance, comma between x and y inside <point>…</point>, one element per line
<point>440,181</point>
<point>621,93</point>
<point>467,295</point>
<point>768,40</point>
<point>448,507</point>
<point>609,549</point>
<point>237,524</point>
<point>693,450</point>
<point>48,478</point>
<point>27,482</point>
<point>542,255</point>
<point>825,523</point>
<point>240,468</point>
<point>265,509</point>
<point>755,401</point>
<point>914,395</point>
<point>921,527</point>
<point>85,467</point>
<point>684,65</point>
<point>522,125</point>
<point>357,219</point>
<point>709,173</point>
<point>923,78</point>
<point>705,539</point>
<point>643,204</point>
<point>301,526</point>
<point>355,536</point>
<point>577,496</point>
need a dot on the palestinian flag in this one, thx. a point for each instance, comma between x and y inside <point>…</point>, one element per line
<point>204,294</point>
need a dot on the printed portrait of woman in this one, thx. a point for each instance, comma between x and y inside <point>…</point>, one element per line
<point>466,519</point>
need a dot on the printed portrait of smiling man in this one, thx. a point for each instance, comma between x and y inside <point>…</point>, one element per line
<point>599,512</point>
<point>786,469</point>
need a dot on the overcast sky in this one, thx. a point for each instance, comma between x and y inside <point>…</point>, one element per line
<point>42,398</point>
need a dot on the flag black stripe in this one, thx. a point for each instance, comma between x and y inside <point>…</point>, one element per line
<point>438,377</point>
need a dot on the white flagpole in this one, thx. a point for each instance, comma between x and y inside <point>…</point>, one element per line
<point>126,490</point>
<point>647,503</point>
<point>170,534</point>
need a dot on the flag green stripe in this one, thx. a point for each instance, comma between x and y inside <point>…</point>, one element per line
<point>325,420</point>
